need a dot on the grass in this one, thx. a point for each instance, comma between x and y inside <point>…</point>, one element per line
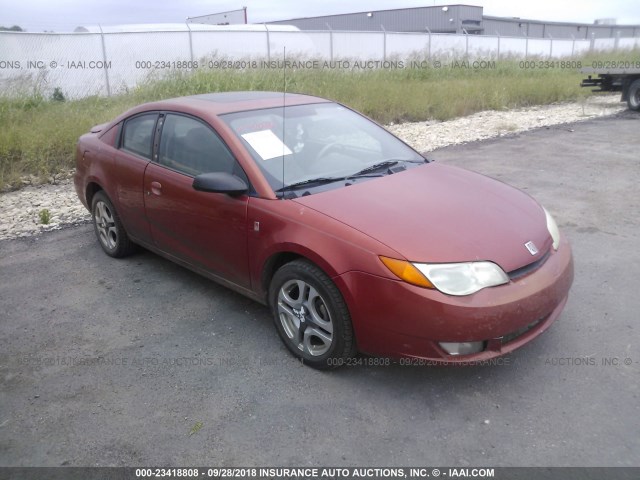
<point>45,216</point>
<point>38,135</point>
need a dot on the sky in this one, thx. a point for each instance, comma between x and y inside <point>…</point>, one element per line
<point>65,15</point>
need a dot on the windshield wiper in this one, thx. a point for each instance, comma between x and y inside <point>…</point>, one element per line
<point>311,181</point>
<point>373,168</point>
<point>362,173</point>
<point>381,165</point>
<point>322,181</point>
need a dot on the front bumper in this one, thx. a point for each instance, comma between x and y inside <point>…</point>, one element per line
<point>394,318</point>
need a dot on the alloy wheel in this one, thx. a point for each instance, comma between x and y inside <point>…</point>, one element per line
<point>305,317</point>
<point>106,225</point>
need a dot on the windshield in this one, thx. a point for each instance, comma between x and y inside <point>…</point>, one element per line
<point>317,144</point>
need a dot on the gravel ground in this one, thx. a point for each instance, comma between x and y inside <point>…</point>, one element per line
<point>20,210</point>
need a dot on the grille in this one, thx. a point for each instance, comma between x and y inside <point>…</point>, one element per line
<point>509,337</point>
<point>527,269</point>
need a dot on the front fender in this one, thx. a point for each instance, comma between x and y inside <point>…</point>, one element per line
<point>284,229</point>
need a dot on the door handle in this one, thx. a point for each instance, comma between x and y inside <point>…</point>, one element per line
<point>156,188</point>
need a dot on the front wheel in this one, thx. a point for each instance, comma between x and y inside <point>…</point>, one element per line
<point>311,316</point>
<point>634,95</point>
<point>108,227</point>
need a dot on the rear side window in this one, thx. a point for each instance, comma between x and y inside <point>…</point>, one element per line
<point>137,136</point>
<point>189,146</point>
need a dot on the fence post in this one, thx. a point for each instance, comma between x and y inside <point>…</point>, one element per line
<point>616,43</point>
<point>573,45</point>
<point>592,45</point>
<point>498,34</point>
<point>104,58</point>
<point>330,42</point>
<point>384,43</point>
<point>550,46</point>
<point>429,48</point>
<point>466,41</point>
<point>190,42</point>
<point>526,47</point>
<point>268,44</point>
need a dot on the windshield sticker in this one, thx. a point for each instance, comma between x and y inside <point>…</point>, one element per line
<point>266,144</point>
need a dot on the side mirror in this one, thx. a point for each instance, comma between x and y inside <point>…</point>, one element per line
<point>220,182</point>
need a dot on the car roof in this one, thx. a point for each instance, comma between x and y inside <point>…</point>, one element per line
<point>227,102</point>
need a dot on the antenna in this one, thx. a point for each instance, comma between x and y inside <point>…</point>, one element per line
<point>284,99</point>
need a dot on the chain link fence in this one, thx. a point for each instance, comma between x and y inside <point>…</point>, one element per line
<point>77,65</point>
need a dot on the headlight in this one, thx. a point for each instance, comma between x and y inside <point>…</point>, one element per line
<point>450,278</point>
<point>553,229</point>
<point>406,271</point>
<point>463,278</point>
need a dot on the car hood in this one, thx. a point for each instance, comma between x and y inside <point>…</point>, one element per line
<point>438,213</point>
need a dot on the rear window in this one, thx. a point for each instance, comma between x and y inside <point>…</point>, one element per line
<point>138,134</point>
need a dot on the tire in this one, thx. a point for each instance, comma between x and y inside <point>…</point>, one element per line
<point>633,100</point>
<point>311,316</point>
<point>108,228</point>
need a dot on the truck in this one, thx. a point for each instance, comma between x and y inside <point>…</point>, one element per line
<point>623,80</point>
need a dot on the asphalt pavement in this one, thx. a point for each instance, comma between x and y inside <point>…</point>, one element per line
<point>138,361</point>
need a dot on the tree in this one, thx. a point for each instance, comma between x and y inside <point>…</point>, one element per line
<point>15,28</point>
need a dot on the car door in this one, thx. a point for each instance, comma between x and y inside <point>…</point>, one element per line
<point>206,230</point>
<point>133,154</point>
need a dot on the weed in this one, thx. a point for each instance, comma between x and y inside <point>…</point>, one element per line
<point>45,216</point>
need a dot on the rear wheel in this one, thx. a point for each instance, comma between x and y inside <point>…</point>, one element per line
<point>108,227</point>
<point>311,316</point>
<point>634,95</point>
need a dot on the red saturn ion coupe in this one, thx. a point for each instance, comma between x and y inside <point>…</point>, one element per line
<point>354,240</point>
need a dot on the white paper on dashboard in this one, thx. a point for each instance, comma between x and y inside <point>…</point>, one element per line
<point>266,144</point>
